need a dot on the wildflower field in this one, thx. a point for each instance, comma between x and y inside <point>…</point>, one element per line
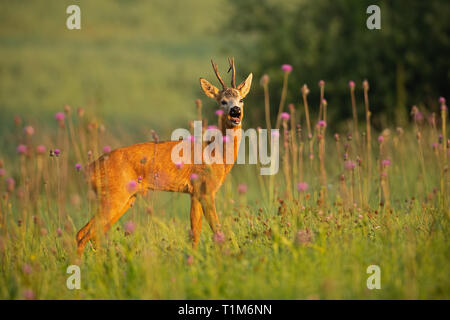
<point>350,193</point>
<point>340,203</point>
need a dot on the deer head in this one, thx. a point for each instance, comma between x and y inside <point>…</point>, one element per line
<point>231,100</point>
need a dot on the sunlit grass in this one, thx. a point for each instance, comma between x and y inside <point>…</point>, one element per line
<point>312,243</point>
<point>310,232</point>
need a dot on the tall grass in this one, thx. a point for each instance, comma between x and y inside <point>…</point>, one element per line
<point>309,232</point>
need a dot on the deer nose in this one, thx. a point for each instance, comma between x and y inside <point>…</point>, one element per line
<point>235,111</point>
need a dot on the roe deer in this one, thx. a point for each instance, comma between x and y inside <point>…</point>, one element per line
<point>150,164</point>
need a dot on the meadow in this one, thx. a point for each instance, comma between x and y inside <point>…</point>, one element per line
<point>342,200</point>
<point>309,232</point>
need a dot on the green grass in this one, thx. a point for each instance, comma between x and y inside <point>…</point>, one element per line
<point>129,61</point>
<point>139,65</point>
<point>262,257</point>
<point>410,246</point>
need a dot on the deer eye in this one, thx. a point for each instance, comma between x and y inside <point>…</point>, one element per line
<point>242,100</point>
<point>224,102</point>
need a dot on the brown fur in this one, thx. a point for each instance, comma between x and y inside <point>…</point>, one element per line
<point>230,93</point>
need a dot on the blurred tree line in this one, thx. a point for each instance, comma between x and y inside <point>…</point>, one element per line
<point>406,62</point>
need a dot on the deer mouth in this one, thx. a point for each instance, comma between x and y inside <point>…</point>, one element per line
<point>235,116</point>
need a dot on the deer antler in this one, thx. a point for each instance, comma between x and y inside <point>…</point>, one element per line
<point>233,75</point>
<point>218,75</point>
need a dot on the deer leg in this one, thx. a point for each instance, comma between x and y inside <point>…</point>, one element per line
<point>102,221</point>
<point>119,213</point>
<point>209,210</point>
<point>196,220</point>
<point>83,233</point>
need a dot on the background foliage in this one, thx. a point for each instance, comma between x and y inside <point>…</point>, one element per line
<point>406,62</point>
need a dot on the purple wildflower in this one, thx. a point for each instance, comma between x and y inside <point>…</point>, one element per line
<point>179,165</point>
<point>418,116</point>
<point>27,268</point>
<point>219,237</point>
<point>21,149</point>
<point>351,84</point>
<point>130,227</point>
<point>285,116</point>
<point>219,112</point>
<point>349,165</point>
<point>194,176</point>
<point>106,149</point>
<point>322,123</point>
<point>10,184</point>
<point>286,68</point>
<point>132,185</point>
<point>302,187</point>
<point>78,166</point>
<point>60,116</point>
<point>40,149</point>
<point>242,188</point>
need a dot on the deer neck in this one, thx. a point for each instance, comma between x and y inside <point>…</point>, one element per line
<point>236,136</point>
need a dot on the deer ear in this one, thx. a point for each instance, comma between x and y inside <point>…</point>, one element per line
<point>210,90</point>
<point>244,87</point>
